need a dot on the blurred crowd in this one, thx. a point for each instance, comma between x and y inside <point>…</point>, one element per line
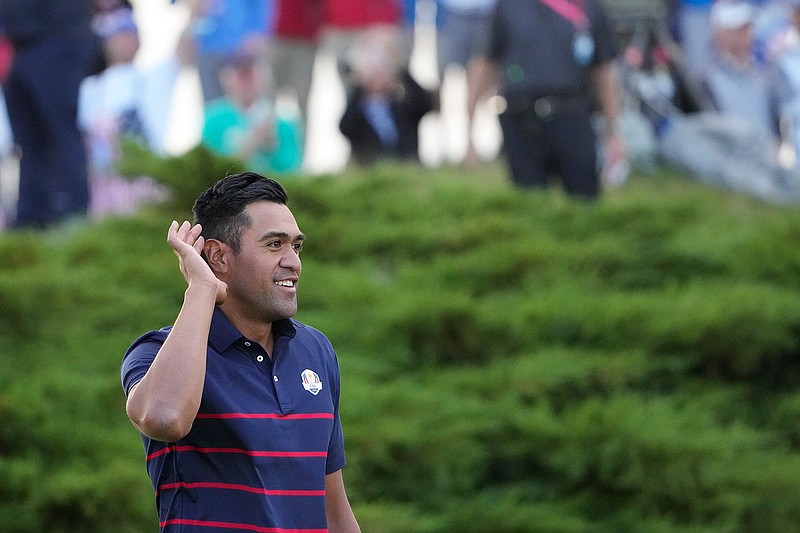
<point>581,90</point>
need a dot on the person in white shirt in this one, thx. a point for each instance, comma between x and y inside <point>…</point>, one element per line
<point>124,100</point>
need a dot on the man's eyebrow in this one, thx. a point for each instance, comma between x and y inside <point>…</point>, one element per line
<point>280,235</point>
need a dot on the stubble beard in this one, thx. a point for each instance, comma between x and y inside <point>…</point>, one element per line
<point>277,307</point>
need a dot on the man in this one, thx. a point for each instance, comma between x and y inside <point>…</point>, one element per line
<point>555,60</point>
<point>238,403</point>
<point>344,20</point>
<point>734,84</point>
<point>53,52</point>
<point>384,109</point>
<point>218,28</point>
<point>293,48</point>
<point>244,124</point>
<point>733,143</point>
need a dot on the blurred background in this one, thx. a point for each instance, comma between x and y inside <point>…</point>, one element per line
<point>162,22</point>
<point>514,360</point>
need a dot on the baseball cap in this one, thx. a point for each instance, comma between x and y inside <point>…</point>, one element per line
<point>109,24</point>
<point>731,14</point>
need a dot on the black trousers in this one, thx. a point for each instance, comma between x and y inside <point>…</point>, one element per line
<point>564,144</point>
<point>42,99</point>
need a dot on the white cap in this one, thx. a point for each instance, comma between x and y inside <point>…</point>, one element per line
<point>731,14</point>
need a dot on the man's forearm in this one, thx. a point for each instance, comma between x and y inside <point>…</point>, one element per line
<point>606,82</point>
<point>164,403</point>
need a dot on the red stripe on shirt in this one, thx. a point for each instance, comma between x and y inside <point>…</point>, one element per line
<point>305,416</point>
<point>251,453</point>
<point>245,488</point>
<point>233,525</point>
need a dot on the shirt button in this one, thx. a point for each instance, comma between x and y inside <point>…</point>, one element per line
<point>275,378</point>
<point>247,343</point>
<point>260,358</point>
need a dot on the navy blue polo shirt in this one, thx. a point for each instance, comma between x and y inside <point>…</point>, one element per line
<point>266,434</point>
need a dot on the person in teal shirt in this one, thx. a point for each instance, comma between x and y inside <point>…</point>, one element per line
<point>243,122</point>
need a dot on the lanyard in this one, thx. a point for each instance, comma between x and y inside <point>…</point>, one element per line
<point>570,11</point>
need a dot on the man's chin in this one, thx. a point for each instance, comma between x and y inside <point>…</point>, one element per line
<point>284,314</point>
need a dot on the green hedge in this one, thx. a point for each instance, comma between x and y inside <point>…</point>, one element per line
<point>512,361</point>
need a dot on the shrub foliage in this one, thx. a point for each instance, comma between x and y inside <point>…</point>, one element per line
<point>513,361</point>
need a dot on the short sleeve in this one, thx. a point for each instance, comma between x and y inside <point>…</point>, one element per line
<point>602,32</point>
<point>138,358</point>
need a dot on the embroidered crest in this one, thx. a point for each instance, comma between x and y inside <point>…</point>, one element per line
<point>311,381</point>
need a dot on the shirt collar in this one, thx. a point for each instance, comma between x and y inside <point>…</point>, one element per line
<point>223,334</point>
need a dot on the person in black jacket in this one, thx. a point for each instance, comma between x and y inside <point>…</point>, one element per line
<point>53,51</point>
<point>383,111</point>
<point>555,65</point>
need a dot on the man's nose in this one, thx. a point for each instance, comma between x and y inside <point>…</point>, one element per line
<point>291,259</point>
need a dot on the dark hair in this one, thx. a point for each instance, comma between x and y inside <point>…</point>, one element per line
<point>220,209</point>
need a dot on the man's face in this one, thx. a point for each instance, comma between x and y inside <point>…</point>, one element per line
<point>737,42</point>
<point>122,47</point>
<point>263,276</point>
<point>242,83</point>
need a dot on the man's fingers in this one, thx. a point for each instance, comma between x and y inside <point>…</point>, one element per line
<point>198,244</point>
<point>185,231</point>
<point>172,234</point>
<point>179,235</point>
<point>194,234</point>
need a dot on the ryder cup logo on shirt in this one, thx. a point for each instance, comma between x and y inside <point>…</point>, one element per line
<point>311,381</point>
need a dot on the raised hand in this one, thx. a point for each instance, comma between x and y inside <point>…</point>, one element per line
<point>187,243</point>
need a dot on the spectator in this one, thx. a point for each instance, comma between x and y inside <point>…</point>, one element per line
<point>386,105</point>
<point>244,124</point>
<point>787,65</point>
<point>734,84</point>
<point>102,7</point>
<point>734,144</point>
<point>221,27</point>
<point>556,57</point>
<point>124,100</point>
<point>345,20</point>
<point>54,48</point>
<point>462,41</point>
<point>650,64</point>
<point>293,48</point>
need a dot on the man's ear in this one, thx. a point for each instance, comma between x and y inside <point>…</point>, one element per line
<point>217,255</point>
